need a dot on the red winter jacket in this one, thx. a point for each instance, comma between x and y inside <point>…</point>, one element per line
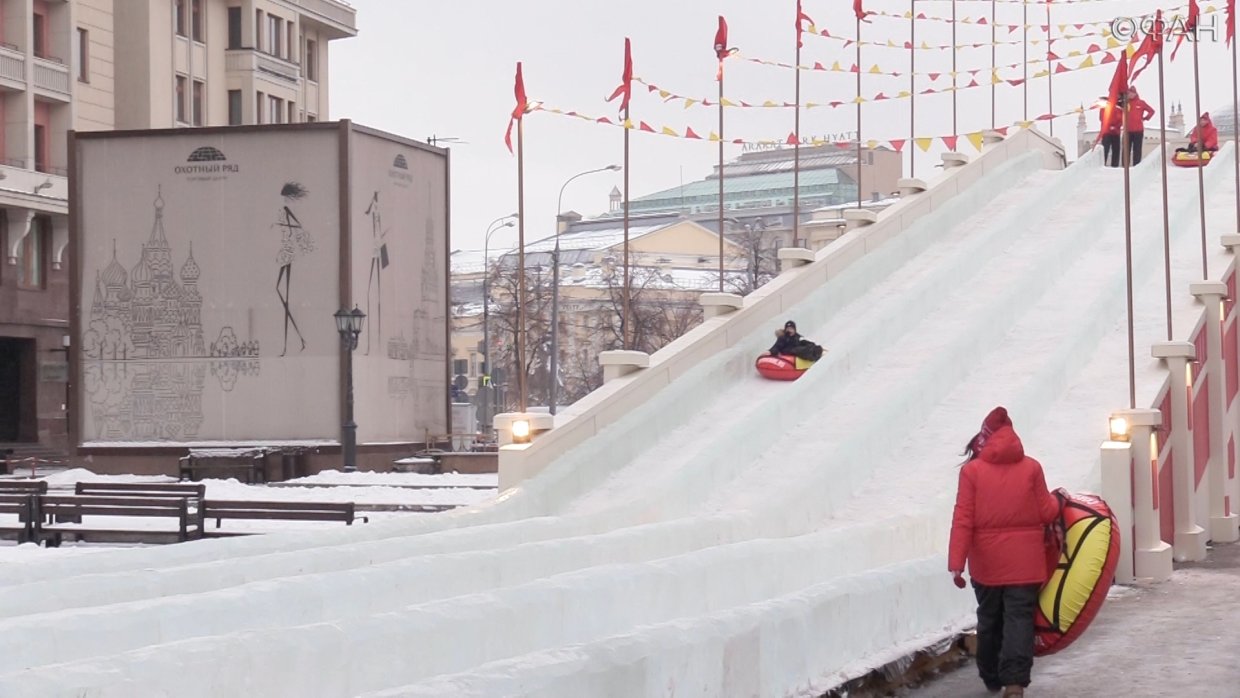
<point>1002,505</point>
<point>1113,126</point>
<point>1138,113</point>
<point>1211,135</point>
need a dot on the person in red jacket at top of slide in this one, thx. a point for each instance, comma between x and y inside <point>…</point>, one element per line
<point>1135,116</point>
<point>1203,138</point>
<point>1111,129</point>
<point>999,529</point>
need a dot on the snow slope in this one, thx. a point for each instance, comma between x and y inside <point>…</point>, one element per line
<point>731,537</point>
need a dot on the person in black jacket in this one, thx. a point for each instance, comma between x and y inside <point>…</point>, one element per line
<point>789,343</point>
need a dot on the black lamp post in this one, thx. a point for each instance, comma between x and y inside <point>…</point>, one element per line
<point>349,325</point>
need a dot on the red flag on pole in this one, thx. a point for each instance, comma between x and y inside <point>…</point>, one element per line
<point>1119,85</point>
<point>523,105</point>
<point>859,11</point>
<point>803,19</point>
<point>721,45</point>
<point>625,89</point>
<point>1150,47</point>
<point>1190,26</point>
<point>1231,21</point>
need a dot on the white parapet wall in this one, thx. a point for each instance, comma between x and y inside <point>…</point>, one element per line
<point>602,408</point>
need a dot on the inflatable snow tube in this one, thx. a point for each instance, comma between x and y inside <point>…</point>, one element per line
<point>1192,159</point>
<point>781,367</point>
<point>1072,597</point>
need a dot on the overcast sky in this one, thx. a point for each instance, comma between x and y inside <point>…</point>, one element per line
<point>436,67</point>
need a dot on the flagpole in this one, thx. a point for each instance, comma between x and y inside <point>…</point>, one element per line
<point>1162,114</point>
<point>994,61</point>
<point>954,129</point>
<point>796,147</point>
<point>624,322</point>
<point>1201,178</point>
<point>1132,356</point>
<point>721,175</point>
<point>1050,72</point>
<point>521,368</point>
<point>859,110</point>
<point>912,89</point>
<point>1024,85</point>
<point>1235,110</point>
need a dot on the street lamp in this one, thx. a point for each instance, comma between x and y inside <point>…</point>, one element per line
<point>349,325</point>
<point>555,285</point>
<point>507,222</point>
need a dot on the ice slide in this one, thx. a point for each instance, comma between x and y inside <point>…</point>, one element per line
<point>757,539</point>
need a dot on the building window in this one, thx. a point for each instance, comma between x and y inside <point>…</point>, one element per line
<point>234,27</point>
<point>460,366</point>
<point>275,109</point>
<point>275,32</point>
<point>40,148</point>
<point>40,35</point>
<point>199,89</point>
<point>311,118</point>
<point>258,30</point>
<point>234,107</point>
<point>196,19</point>
<point>292,42</point>
<point>83,55</point>
<point>312,60</point>
<point>260,103</point>
<point>181,97</point>
<point>32,257</point>
<point>292,112</point>
<point>178,17</point>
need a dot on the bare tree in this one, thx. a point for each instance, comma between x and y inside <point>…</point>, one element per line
<point>755,256</point>
<point>503,283</point>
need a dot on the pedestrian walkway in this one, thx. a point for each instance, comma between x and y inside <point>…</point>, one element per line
<point>1178,638</point>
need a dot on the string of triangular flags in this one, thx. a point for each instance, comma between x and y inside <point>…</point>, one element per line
<point>984,20</point>
<point>1112,46</point>
<point>975,138</point>
<point>995,79</point>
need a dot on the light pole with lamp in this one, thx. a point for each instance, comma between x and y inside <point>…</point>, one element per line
<point>349,325</point>
<point>507,222</point>
<point>555,284</point>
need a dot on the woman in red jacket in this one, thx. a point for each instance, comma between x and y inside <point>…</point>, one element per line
<point>998,528</point>
<point>1136,113</point>
<point>1204,138</point>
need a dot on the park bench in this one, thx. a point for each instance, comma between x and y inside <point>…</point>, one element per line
<point>62,514</point>
<point>276,511</point>
<point>250,461</point>
<point>25,506</point>
<point>23,486</point>
<point>141,489</point>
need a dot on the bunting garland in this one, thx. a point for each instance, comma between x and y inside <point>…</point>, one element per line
<point>897,144</point>
<point>984,20</point>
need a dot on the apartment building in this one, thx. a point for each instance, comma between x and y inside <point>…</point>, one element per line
<point>130,64</point>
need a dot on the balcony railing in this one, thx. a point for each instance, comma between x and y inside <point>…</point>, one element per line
<point>12,64</point>
<point>51,76</point>
<point>252,60</point>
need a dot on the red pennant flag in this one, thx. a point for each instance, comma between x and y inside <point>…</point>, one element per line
<point>1151,46</point>
<point>935,76</point>
<point>645,127</point>
<point>859,11</point>
<point>819,66</point>
<point>802,20</point>
<point>625,90</point>
<point>950,142</point>
<point>721,45</point>
<point>1119,85</point>
<point>1108,58</point>
<point>1016,83</point>
<point>1231,21</point>
<point>1002,131</point>
<point>898,145</point>
<point>792,139</point>
<point>523,105</point>
<point>1190,26</point>
<point>1061,68</point>
<point>603,120</point>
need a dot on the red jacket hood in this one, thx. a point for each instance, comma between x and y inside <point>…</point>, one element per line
<point>1003,448</point>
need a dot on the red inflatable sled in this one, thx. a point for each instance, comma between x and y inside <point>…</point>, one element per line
<point>1192,159</point>
<point>782,367</point>
<point>1081,575</point>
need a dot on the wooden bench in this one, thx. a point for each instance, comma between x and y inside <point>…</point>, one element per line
<point>277,511</point>
<point>74,508</point>
<point>141,489</point>
<point>251,461</point>
<point>23,486</point>
<point>26,508</point>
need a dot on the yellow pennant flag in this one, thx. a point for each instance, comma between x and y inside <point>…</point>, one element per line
<point>859,100</point>
<point>977,140</point>
<point>924,45</point>
<point>835,67</point>
<point>1087,63</point>
<point>995,79</point>
<point>1112,43</point>
<point>667,131</point>
<point>690,103</point>
<point>871,145</point>
<point>924,143</point>
<point>714,137</point>
<point>817,141</point>
<point>769,103</point>
<point>1041,73</point>
<point>811,105</point>
<point>628,123</point>
<point>904,94</point>
<point>1026,124</point>
<point>1074,54</point>
<point>664,94</point>
<point>727,102</point>
<point>875,70</point>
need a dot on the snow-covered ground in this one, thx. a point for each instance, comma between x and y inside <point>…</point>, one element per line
<point>732,537</point>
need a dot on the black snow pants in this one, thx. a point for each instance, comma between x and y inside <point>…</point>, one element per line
<point>1005,633</point>
<point>1110,150</point>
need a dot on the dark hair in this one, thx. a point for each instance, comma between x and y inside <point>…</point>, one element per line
<point>970,450</point>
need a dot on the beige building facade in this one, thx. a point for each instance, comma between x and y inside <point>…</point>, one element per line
<point>92,65</point>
